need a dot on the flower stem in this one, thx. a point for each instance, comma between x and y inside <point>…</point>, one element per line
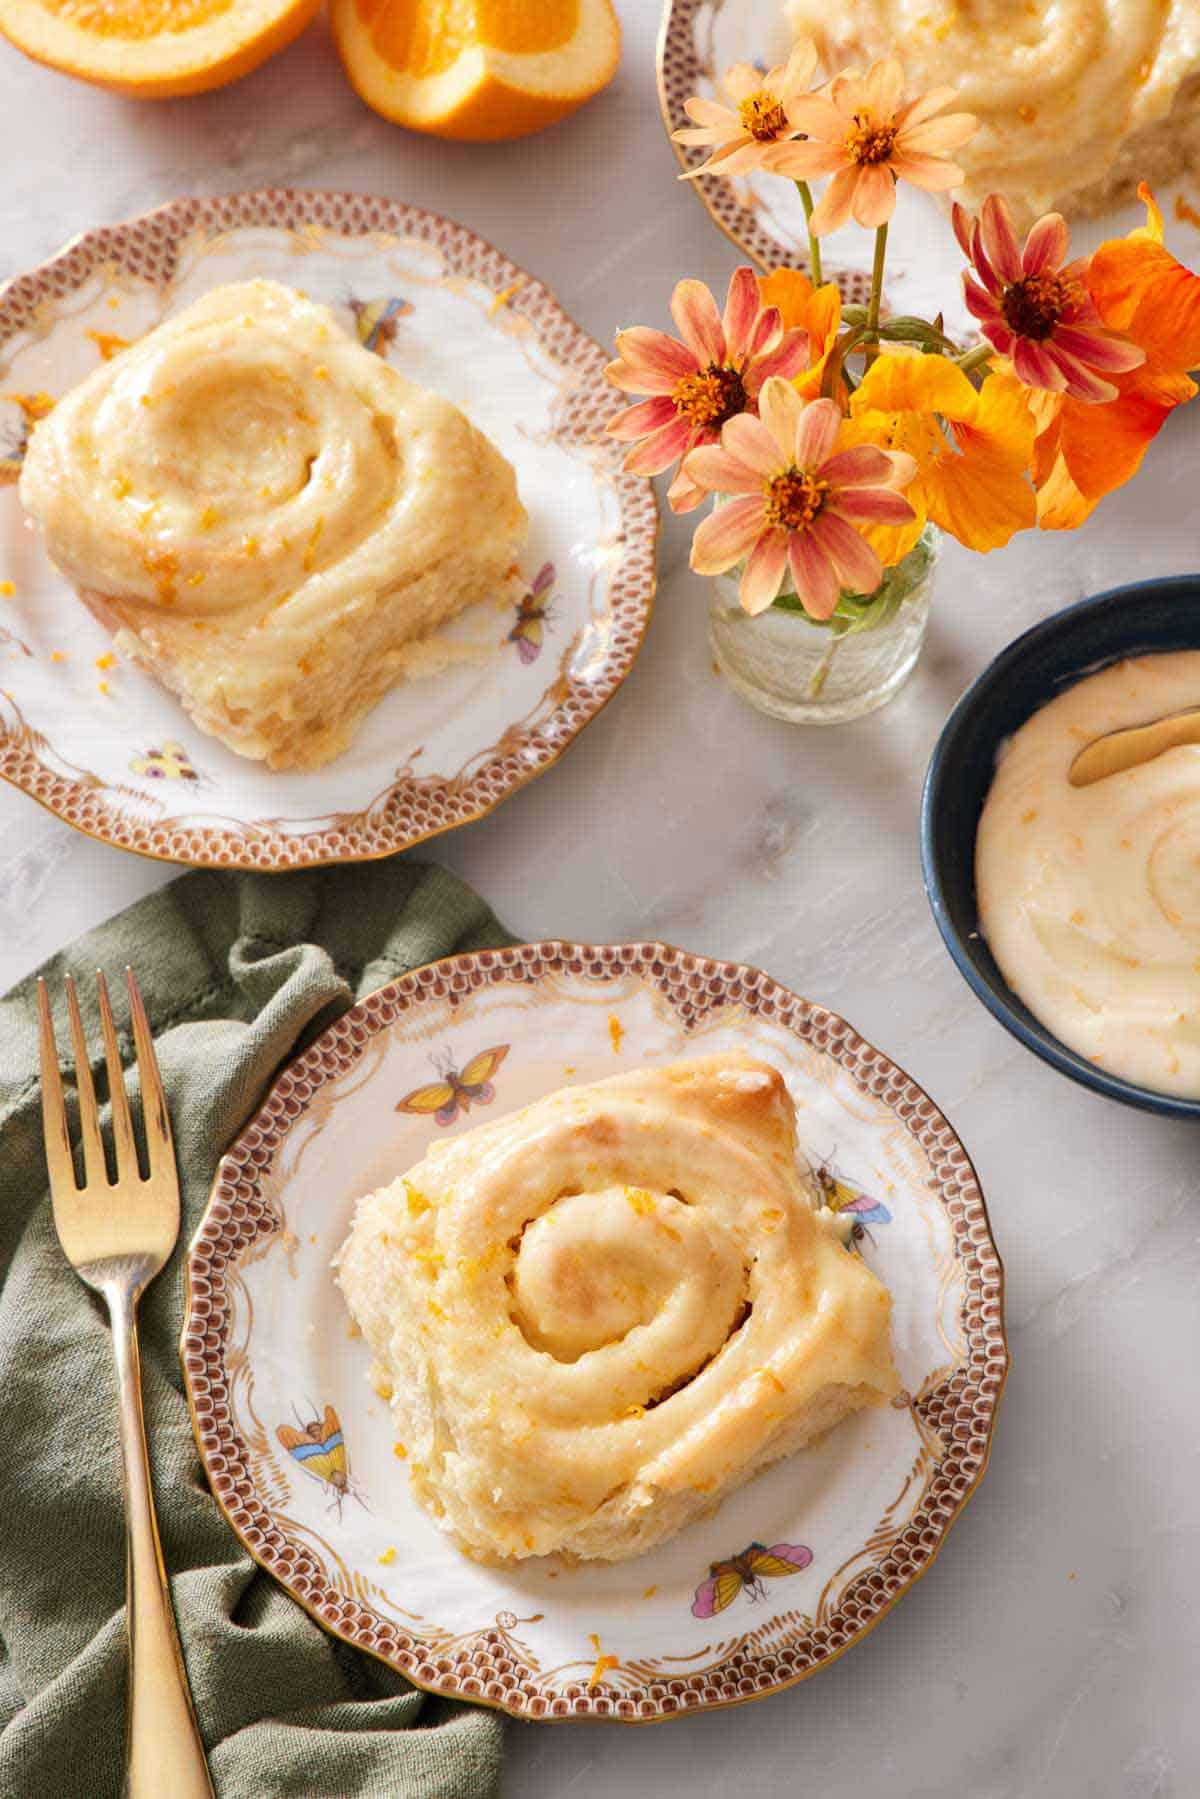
<point>973,359</point>
<point>814,243</point>
<point>820,674</point>
<point>872,325</point>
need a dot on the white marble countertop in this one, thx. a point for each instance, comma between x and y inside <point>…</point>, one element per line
<point>1052,1651</point>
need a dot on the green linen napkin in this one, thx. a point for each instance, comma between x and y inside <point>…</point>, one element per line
<point>237,972</point>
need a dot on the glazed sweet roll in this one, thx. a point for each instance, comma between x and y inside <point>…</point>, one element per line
<point>267,514</point>
<point>596,1317</point>
<point>1078,100</point>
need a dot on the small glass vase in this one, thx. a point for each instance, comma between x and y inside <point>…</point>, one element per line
<point>796,668</point>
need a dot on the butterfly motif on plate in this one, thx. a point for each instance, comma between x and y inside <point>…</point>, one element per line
<point>533,616</point>
<point>320,1449</point>
<point>169,763</point>
<point>375,321</point>
<point>457,1090</point>
<point>848,1201</point>
<point>746,1572</point>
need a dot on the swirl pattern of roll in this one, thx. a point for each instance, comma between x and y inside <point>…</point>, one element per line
<point>595,1317</point>
<point>1077,100</point>
<point>268,514</point>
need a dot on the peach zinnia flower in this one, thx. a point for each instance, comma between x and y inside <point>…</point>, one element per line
<point>761,114</point>
<point>863,133</point>
<point>796,499</point>
<point>698,385</point>
<point>1035,310</point>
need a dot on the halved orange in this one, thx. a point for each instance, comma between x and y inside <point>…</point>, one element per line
<point>156,48</point>
<point>477,69</point>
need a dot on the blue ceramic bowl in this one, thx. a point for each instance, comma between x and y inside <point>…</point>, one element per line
<point>1128,621</point>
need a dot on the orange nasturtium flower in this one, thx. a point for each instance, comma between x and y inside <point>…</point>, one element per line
<point>817,311</point>
<point>1083,452</point>
<point>972,448</point>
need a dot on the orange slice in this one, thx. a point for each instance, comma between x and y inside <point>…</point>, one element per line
<point>154,47</point>
<point>477,69</point>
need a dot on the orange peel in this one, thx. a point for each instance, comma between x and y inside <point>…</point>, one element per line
<point>476,70</point>
<point>154,48</point>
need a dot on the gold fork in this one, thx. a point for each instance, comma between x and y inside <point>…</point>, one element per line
<point>117,1235</point>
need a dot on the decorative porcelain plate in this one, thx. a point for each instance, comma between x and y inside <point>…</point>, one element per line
<point>300,1450</point>
<point>105,747</point>
<point>698,41</point>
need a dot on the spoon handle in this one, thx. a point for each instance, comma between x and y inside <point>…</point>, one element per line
<point>1121,750</point>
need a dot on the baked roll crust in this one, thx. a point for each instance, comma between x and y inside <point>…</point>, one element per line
<point>267,514</point>
<point>597,1316</point>
<point>1078,100</point>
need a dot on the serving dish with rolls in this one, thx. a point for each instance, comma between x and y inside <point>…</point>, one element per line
<point>667,1346</point>
<point>330,552</point>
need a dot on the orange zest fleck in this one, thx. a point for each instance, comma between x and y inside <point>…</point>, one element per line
<point>616,1033</point>
<point>314,538</point>
<point>504,296</point>
<point>109,343</point>
<point>34,406</point>
<point>603,1663</point>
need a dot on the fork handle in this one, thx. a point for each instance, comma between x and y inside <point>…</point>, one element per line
<point>163,1750</point>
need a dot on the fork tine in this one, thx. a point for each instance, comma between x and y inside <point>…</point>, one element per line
<point>123,1137</point>
<point>159,1146</point>
<point>95,1170</point>
<point>59,1162</point>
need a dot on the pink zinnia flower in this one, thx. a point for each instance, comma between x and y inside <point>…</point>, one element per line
<point>761,114</point>
<point>796,500</point>
<point>698,385</point>
<point>1035,310</point>
<point>863,133</point>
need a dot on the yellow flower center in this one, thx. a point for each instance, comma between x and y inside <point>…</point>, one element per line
<point>762,116</point>
<point>870,142</point>
<point>794,499</point>
<point>710,396</point>
<point>1034,305</point>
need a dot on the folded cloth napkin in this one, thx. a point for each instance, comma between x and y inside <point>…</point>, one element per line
<point>238,971</point>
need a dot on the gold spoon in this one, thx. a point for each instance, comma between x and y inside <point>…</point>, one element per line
<point>1117,751</point>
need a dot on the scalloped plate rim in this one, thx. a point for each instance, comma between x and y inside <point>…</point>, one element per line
<point>639,513</point>
<point>637,957</point>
